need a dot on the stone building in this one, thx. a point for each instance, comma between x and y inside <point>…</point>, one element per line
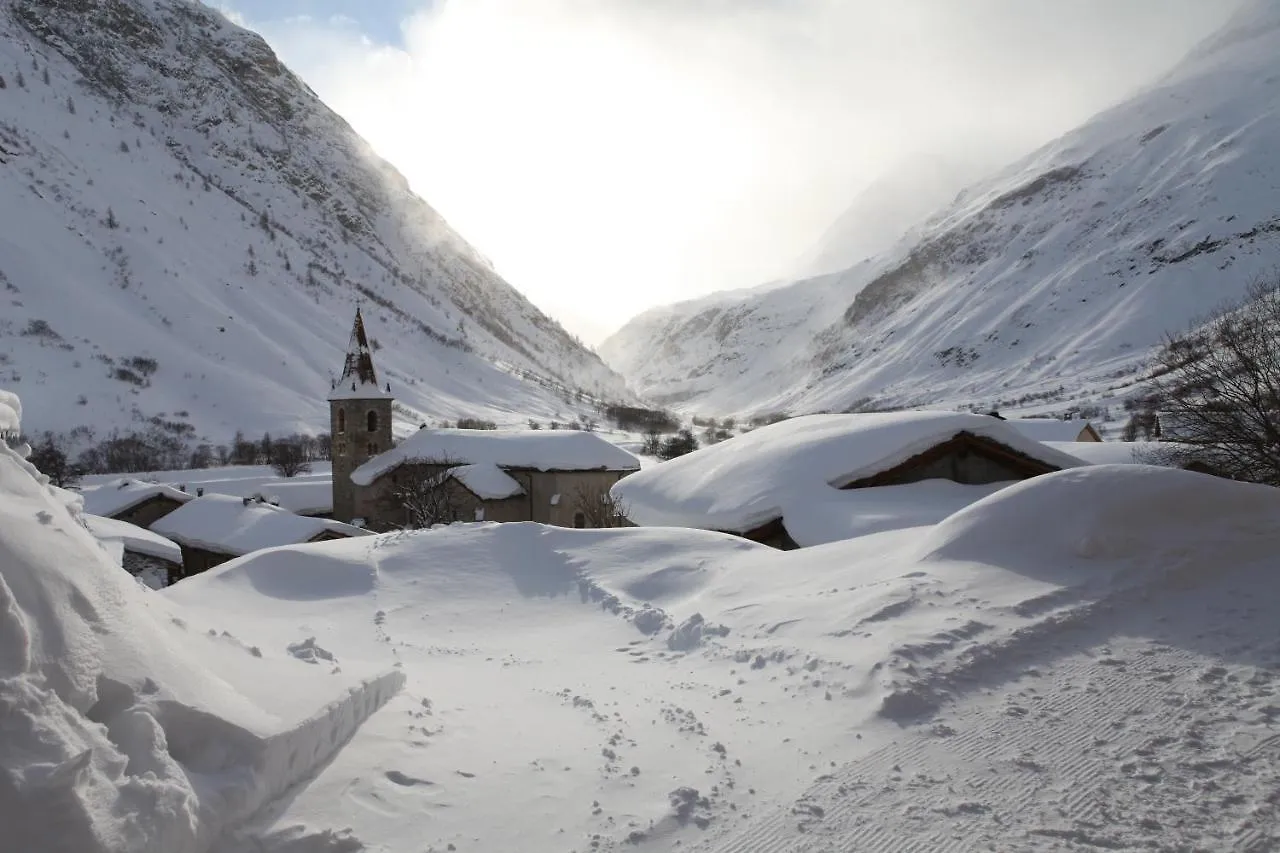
<point>134,501</point>
<point>359,420</point>
<point>439,475</point>
<point>145,554</point>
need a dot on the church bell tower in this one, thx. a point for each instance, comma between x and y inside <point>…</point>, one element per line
<point>359,420</point>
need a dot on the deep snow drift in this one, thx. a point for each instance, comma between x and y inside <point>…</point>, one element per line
<point>1083,660</point>
<point>780,470</point>
<point>124,723</point>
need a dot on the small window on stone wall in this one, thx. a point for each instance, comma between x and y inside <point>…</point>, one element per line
<point>342,420</point>
<point>579,520</point>
<point>373,422</point>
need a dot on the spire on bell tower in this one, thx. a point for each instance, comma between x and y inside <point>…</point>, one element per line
<point>360,414</point>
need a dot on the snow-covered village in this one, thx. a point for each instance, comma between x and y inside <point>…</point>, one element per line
<point>481,425</point>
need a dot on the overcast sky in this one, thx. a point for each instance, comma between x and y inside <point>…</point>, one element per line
<point>612,155</point>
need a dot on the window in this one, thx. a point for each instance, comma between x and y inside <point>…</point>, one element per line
<point>342,420</point>
<point>579,520</point>
<point>373,422</point>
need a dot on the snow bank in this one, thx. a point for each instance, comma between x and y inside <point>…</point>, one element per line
<point>237,526</point>
<point>10,413</point>
<point>1106,512</point>
<point>1049,429</point>
<point>124,728</point>
<point>835,515</point>
<point>487,482</point>
<point>1113,452</point>
<point>540,450</point>
<point>754,478</point>
<point>116,496</point>
<point>133,538</point>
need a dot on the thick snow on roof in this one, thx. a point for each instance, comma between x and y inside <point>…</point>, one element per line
<point>10,412</point>
<point>230,526</point>
<point>754,478</point>
<point>838,514</point>
<point>118,495</point>
<point>542,450</point>
<point>304,496</point>
<point>487,482</point>
<point>1109,452</point>
<point>133,538</point>
<point>100,675</point>
<point>1048,429</point>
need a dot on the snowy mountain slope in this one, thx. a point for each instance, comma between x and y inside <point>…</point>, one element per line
<point>887,208</point>
<point>188,229</point>
<point>1054,277</point>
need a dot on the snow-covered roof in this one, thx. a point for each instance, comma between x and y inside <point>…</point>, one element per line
<point>310,496</point>
<point>10,413</point>
<point>754,478</point>
<point>540,450</point>
<point>487,482</point>
<point>229,525</point>
<point>133,538</point>
<point>116,496</point>
<point>1048,429</point>
<point>1114,452</point>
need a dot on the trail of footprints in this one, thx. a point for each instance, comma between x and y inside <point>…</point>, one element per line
<point>1137,743</point>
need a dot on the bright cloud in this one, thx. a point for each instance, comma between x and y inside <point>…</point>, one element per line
<point>616,154</point>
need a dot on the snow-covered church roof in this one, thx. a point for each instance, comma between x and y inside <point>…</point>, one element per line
<point>539,450</point>
<point>758,477</point>
<point>231,525</point>
<point>116,496</point>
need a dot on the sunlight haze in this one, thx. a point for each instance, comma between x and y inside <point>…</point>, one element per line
<point>611,156</point>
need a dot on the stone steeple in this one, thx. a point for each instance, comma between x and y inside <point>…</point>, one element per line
<point>359,378</point>
<point>359,421</point>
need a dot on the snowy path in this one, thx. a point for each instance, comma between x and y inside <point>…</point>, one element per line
<point>1189,760</point>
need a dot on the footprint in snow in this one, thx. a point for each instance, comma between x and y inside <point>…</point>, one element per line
<point>407,781</point>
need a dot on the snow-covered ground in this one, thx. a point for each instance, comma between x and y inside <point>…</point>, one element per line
<point>1084,660</point>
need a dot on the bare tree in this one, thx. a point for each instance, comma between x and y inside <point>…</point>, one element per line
<point>1218,390</point>
<point>431,498</point>
<point>599,507</point>
<point>289,458</point>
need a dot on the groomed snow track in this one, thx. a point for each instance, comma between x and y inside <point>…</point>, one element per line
<point>1121,731</point>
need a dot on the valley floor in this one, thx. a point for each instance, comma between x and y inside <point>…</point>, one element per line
<point>1083,661</point>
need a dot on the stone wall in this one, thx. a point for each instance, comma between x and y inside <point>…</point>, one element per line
<point>153,571</point>
<point>353,445</point>
<point>378,503</point>
<point>149,511</point>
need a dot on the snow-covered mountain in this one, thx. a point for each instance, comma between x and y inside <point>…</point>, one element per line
<point>1050,281</point>
<point>187,231</point>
